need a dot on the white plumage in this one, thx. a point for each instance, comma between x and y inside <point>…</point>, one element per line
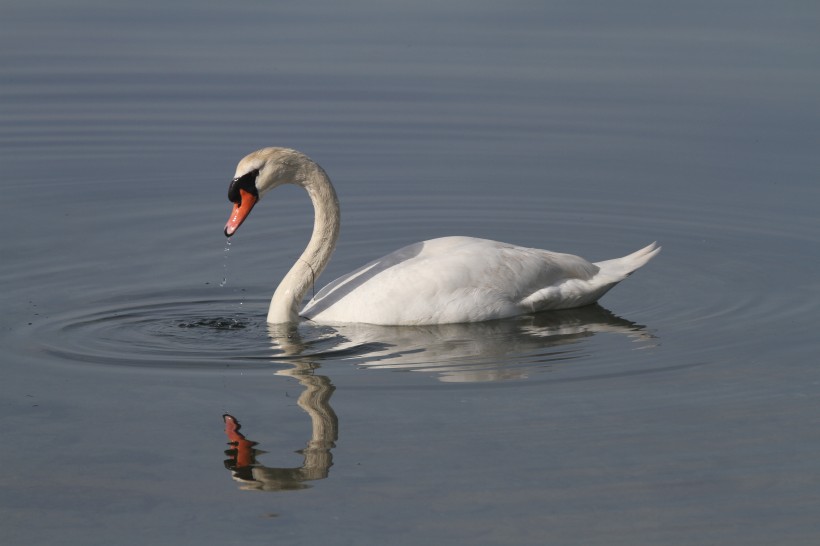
<point>440,281</point>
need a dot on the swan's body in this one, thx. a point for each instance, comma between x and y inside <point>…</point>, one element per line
<point>463,279</point>
<point>440,281</point>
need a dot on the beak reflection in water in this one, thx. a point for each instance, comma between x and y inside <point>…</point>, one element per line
<point>243,454</point>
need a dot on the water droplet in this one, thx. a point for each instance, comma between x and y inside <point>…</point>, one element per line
<point>225,264</point>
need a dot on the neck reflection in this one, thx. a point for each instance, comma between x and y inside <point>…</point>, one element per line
<point>315,401</point>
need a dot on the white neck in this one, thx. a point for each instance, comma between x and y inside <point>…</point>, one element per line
<point>284,306</point>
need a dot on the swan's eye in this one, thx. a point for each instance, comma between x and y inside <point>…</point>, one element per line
<point>245,182</point>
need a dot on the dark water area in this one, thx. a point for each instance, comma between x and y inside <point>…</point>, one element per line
<point>145,400</point>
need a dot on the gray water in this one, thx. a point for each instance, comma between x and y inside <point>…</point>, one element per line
<point>684,409</point>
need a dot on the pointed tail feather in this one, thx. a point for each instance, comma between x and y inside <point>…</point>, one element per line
<point>620,268</point>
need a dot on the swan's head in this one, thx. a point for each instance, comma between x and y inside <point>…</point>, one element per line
<point>258,173</point>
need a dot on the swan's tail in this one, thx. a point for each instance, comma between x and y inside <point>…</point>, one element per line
<point>620,268</point>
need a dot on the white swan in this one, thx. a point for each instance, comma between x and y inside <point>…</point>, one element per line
<point>440,281</point>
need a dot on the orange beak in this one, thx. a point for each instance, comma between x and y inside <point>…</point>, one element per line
<point>240,211</point>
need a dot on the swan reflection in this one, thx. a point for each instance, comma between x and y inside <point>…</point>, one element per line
<point>315,401</point>
<point>486,351</point>
<point>481,351</point>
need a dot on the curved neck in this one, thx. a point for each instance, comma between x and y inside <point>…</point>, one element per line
<point>284,306</point>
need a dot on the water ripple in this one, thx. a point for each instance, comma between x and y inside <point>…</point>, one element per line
<point>216,333</point>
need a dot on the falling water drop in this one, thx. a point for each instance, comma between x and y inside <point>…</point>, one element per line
<point>225,264</point>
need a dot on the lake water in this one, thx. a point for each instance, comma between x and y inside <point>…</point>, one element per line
<point>685,409</point>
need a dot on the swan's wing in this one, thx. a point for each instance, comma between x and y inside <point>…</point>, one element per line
<point>452,279</point>
<point>346,283</point>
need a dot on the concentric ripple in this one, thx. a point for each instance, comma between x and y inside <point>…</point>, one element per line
<point>173,332</point>
<point>177,333</point>
<point>694,307</point>
<point>697,310</point>
<point>170,333</point>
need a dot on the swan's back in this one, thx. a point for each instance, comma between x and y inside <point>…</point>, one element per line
<point>461,279</point>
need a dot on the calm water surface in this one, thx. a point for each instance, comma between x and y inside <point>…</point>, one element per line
<point>145,400</point>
